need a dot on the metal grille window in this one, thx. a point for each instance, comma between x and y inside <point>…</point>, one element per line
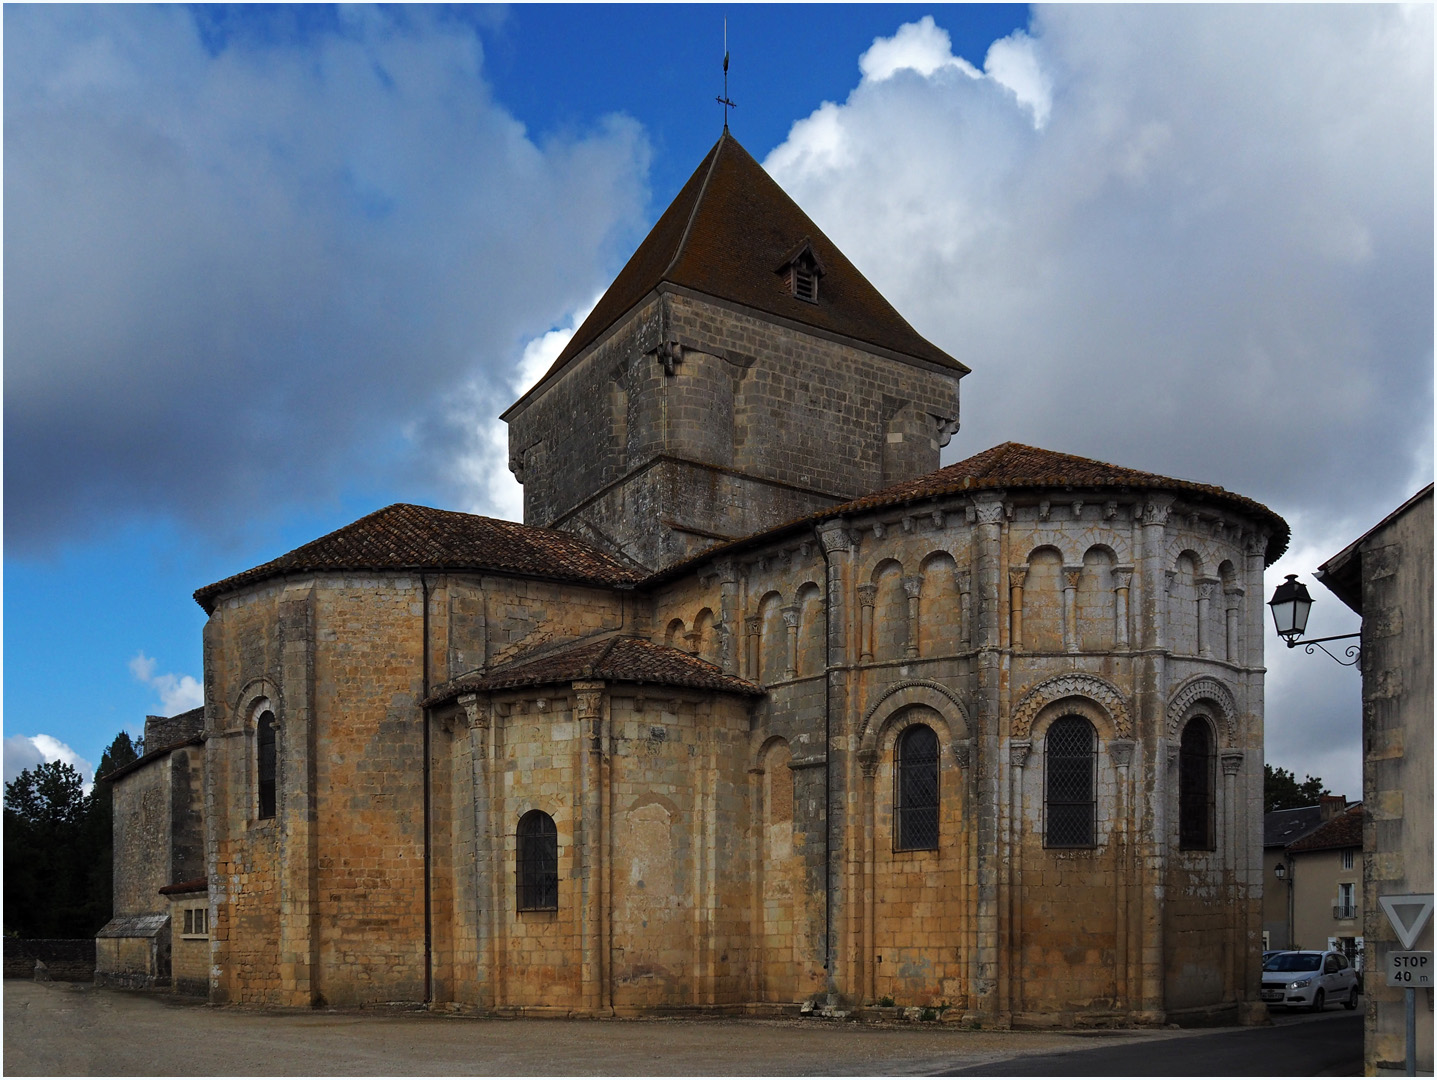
<point>538,862</point>
<point>915,796</point>
<point>1196,787</point>
<point>265,744</point>
<point>1071,760</point>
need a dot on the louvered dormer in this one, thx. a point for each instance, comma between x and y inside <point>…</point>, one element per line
<point>802,269</point>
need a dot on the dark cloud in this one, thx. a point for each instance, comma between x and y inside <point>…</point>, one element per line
<point>241,272</point>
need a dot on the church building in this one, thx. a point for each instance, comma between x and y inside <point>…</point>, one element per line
<point>759,706</point>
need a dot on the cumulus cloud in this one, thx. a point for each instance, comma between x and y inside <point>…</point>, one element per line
<point>178,693</point>
<point>1191,239</point>
<point>26,751</point>
<point>243,269</point>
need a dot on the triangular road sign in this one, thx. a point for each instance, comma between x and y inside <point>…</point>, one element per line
<point>1408,915</point>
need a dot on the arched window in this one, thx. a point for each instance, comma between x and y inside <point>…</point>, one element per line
<point>538,862</point>
<point>1196,806</point>
<point>1071,761</point>
<point>915,795</point>
<point>265,763</point>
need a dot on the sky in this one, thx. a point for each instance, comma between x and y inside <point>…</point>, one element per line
<point>268,269</point>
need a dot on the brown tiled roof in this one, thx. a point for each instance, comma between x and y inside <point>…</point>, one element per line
<point>195,885</point>
<point>1342,831</point>
<point>727,234</point>
<point>408,537</point>
<point>1013,466</point>
<point>614,659</point>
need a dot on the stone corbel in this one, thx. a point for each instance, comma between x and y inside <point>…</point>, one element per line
<point>476,715</point>
<point>947,427</point>
<point>670,354</point>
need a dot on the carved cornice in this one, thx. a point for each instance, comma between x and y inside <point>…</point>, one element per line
<point>1203,688</point>
<point>1073,685</point>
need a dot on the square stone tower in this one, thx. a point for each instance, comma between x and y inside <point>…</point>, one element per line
<point>739,373</point>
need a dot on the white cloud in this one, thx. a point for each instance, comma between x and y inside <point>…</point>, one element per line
<point>178,693</point>
<point>1187,238</point>
<point>340,221</point>
<point>922,47</point>
<point>26,751</point>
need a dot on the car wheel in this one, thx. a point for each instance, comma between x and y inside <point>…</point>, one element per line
<point>1351,1002</point>
<point>1319,1001</point>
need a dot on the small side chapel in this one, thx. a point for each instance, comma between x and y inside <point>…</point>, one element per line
<point>759,705</point>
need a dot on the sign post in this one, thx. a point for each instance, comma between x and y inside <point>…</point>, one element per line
<point>1409,970</point>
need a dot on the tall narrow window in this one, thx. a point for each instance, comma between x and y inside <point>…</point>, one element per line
<point>265,747</point>
<point>1196,788</point>
<point>915,798</point>
<point>1071,762</point>
<point>538,862</point>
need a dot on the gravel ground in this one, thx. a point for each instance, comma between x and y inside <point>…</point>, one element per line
<point>76,1029</point>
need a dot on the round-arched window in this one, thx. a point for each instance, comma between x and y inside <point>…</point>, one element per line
<point>915,795</point>
<point>538,862</point>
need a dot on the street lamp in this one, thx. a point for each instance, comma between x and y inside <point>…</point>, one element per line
<point>1290,606</point>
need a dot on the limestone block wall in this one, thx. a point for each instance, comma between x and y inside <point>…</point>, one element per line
<point>158,830</point>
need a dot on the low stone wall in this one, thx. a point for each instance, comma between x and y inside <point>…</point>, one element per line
<point>65,959</point>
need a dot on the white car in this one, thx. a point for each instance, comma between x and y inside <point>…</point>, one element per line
<point>1309,979</point>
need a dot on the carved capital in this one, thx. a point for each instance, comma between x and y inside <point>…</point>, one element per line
<point>868,762</point>
<point>727,570</point>
<point>1206,587</point>
<point>1169,576</point>
<point>867,594</point>
<point>1018,751</point>
<point>790,614</point>
<point>963,753</point>
<point>1254,545</point>
<point>913,585</point>
<point>588,699</point>
<point>964,580</point>
<point>1071,576</point>
<point>753,624</point>
<point>1234,594</point>
<point>833,535</point>
<point>1121,751</point>
<point>1231,762</point>
<point>476,715</point>
<point>1122,577</point>
<point>1017,575</point>
<point>989,511</point>
<point>1155,511</point>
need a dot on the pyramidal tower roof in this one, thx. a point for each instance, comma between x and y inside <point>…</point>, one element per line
<point>729,234</point>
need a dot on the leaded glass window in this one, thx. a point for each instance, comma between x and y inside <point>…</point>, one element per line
<point>915,796</point>
<point>1196,788</point>
<point>1071,762</point>
<point>538,862</point>
<point>266,764</point>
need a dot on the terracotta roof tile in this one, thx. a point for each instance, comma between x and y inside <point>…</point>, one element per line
<point>1342,831</point>
<point>1013,466</point>
<point>614,659</point>
<point>727,234</point>
<point>408,537</point>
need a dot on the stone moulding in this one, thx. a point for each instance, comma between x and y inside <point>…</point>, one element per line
<point>1072,685</point>
<point>935,695</point>
<point>1203,688</point>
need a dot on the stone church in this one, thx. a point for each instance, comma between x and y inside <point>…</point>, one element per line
<point>759,705</point>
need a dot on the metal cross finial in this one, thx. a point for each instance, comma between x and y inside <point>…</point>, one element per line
<point>724,101</point>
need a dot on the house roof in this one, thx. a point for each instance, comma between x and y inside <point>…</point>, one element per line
<point>1013,466</point>
<point>408,537</point>
<point>194,885</point>
<point>1282,827</point>
<point>1342,573</point>
<point>728,234</point>
<point>1342,831</point>
<point>613,659</point>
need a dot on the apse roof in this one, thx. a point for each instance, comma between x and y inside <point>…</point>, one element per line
<point>1013,466</point>
<point>729,234</point>
<point>613,659</point>
<point>408,537</point>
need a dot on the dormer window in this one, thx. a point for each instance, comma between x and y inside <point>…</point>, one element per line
<point>802,270</point>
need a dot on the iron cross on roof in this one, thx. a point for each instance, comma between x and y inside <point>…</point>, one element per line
<point>724,101</point>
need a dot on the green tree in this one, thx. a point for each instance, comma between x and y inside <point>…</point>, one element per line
<point>1281,791</point>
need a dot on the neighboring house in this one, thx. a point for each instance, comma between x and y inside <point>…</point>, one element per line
<point>760,705</point>
<point>1325,872</point>
<point>1385,576</point>
<point>159,839</point>
<point>1280,828</point>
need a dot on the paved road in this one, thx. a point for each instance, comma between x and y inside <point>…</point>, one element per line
<point>1325,1045</point>
<point>70,1029</point>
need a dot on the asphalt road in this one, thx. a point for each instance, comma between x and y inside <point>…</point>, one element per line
<point>1329,1044</point>
<point>75,1029</point>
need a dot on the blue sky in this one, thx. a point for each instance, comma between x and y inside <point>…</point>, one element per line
<point>270,268</point>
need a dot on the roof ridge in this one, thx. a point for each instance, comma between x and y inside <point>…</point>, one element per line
<point>694,210</point>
